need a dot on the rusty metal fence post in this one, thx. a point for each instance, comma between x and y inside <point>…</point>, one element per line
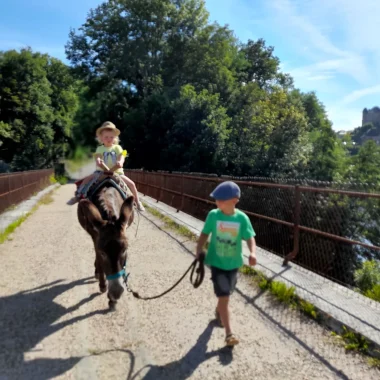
<point>296,229</point>
<point>145,183</point>
<point>182,194</point>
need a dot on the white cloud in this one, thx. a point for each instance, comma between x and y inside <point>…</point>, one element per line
<point>345,118</point>
<point>339,40</point>
<point>358,94</point>
<point>294,20</point>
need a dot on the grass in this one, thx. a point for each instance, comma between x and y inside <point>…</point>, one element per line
<point>352,341</point>
<point>5,235</point>
<point>61,179</point>
<point>171,224</point>
<point>286,294</point>
<point>278,289</point>
<point>374,362</point>
<point>9,230</point>
<point>374,293</point>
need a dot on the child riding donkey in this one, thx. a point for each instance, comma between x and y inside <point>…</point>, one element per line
<point>108,156</point>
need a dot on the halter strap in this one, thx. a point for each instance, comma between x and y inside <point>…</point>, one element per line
<point>118,274</point>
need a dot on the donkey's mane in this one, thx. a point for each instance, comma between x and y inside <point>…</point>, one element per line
<point>108,201</point>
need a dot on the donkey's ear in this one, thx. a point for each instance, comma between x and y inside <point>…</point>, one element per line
<point>90,216</point>
<point>126,212</point>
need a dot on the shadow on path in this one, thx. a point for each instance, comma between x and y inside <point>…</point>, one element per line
<point>26,319</point>
<point>183,368</point>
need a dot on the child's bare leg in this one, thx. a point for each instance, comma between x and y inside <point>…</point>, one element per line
<point>224,313</point>
<point>133,188</point>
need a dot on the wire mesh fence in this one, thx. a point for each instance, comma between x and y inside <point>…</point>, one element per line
<point>326,230</point>
<point>17,187</point>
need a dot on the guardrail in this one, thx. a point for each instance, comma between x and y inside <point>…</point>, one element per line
<point>19,186</point>
<point>328,231</point>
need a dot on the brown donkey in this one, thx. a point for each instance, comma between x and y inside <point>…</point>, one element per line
<point>106,219</point>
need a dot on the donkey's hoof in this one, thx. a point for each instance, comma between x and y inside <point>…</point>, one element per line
<point>112,305</point>
<point>103,289</point>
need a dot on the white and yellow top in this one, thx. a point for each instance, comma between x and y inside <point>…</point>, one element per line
<point>110,156</point>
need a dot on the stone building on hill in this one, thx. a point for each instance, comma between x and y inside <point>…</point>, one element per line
<point>371,116</point>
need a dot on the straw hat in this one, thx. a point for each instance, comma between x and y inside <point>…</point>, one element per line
<point>107,125</point>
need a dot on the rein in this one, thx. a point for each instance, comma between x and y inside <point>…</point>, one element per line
<point>197,266</point>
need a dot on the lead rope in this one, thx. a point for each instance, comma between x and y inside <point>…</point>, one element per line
<point>198,269</point>
<point>138,221</point>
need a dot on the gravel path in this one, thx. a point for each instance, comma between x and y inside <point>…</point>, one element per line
<point>55,324</point>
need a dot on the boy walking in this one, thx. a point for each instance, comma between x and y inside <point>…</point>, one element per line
<point>228,226</point>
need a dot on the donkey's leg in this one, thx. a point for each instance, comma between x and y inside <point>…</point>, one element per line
<point>96,270</point>
<point>102,282</point>
<point>101,276</point>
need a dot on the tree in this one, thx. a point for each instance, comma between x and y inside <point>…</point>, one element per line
<point>128,40</point>
<point>37,105</point>
<point>365,166</point>
<point>262,66</point>
<point>268,135</point>
<point>198,138</point>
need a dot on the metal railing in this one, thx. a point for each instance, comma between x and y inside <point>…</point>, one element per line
<point>328,231</point>
<point>19,186</point>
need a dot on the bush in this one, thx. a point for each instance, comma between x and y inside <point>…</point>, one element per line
<point>374,293</point>
<point>367,276</point>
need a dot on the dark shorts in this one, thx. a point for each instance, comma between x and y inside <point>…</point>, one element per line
<point>224,281</point>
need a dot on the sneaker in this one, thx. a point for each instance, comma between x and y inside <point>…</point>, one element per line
<point>140,207</point>
<point>231,340</point>
<point>72,201</point>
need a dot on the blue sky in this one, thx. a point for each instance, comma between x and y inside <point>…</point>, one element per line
<point>328,46</point>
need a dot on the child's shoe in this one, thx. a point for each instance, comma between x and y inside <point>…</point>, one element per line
<point>140,207</point>
<point>231,340</point>
<point>72,201</point>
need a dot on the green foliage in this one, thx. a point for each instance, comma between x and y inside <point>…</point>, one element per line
<point>282,292</point>
<point>373,293</point>
<point>353,341</point>
<point>264,284</point>
<point>171,224</point>
<point>368,276</point>
<point>308,309</point>
<point>374,362</point>
<point>62,180</point>
<point>365,166</point>
<point>188,92</point>
<point>245,269</point>
<point>38,102</point>
<point>5,234</point>
<point>199,132</point>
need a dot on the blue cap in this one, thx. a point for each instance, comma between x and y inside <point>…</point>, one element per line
<point>226,191</point>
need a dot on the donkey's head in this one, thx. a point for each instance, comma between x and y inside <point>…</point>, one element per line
<point>110,241</point>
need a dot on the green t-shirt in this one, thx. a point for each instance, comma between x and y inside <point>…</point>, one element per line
<point>110,155</point>
<point>227,232</point>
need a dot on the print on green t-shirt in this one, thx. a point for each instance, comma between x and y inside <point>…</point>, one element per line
<point>227,232</point>
<point>109,156</point>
